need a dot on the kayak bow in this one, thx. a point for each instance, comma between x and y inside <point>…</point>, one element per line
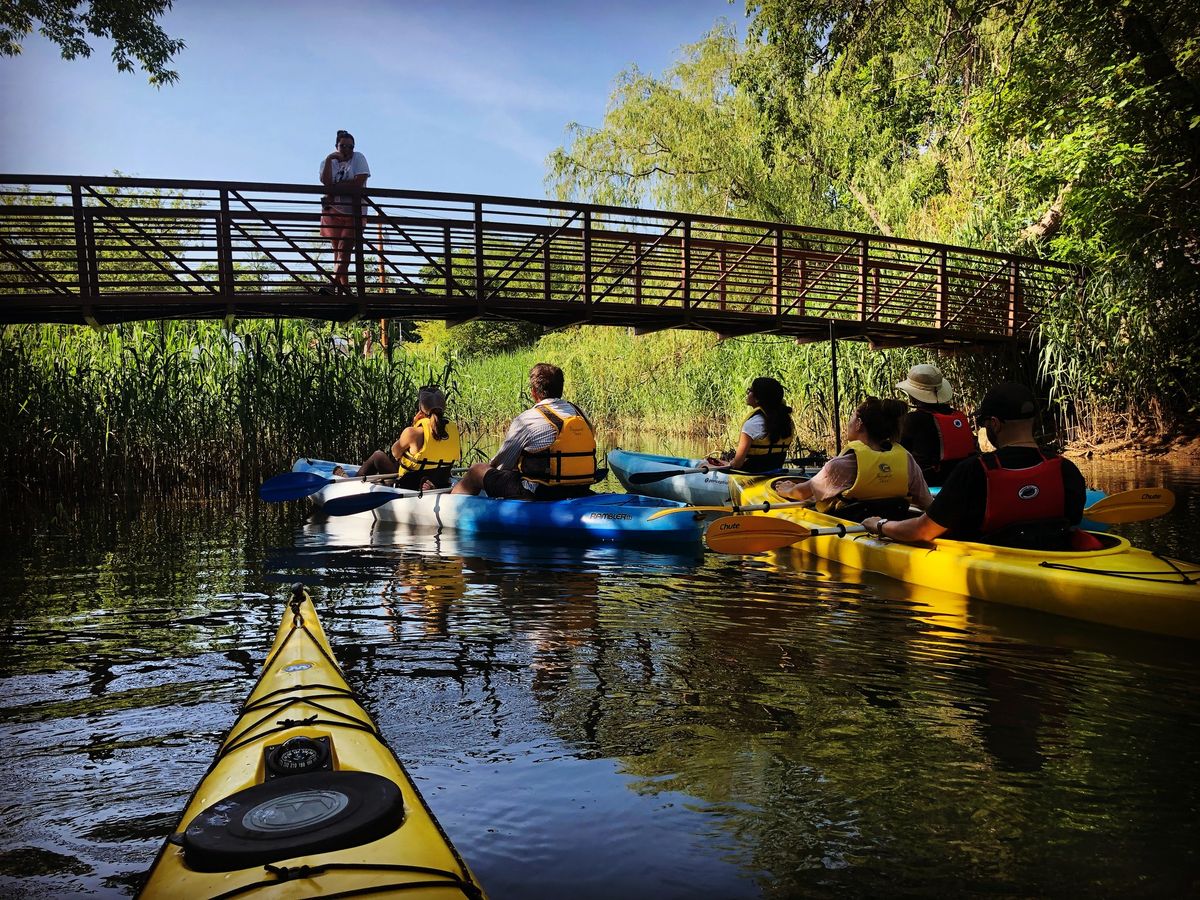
<point>304,798</point>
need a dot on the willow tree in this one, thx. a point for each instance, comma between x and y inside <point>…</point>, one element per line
<point>1064,129</point>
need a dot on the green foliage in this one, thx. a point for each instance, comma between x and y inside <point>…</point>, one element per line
<point>479,337</point>
<point>131,24</point>
<point>1063,129</point>
<point>171,403</point>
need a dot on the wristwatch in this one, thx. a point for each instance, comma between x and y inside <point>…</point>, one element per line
<point>879,526</point>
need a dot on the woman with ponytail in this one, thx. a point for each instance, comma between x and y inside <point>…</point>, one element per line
<point>767,433</point>
<point>425,452</point>
<point>874,475</point>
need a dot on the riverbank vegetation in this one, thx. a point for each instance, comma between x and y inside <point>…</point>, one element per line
<point>190,403</point>
<point>1065,130</point>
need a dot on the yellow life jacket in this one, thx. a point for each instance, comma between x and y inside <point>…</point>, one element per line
<point>569,460</point>
<point>434,454</point>
<point>882,475</point>
<point>767,454</point>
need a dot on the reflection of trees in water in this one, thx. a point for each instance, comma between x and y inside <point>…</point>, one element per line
<point>829,729</point>
<point>846,734</point>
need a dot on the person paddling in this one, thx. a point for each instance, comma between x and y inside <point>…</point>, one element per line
<point>1018,495</point>
<point>549,452</point>
<point>872,475</point>
<point>425,452</point>
<point>767,433</point>
<point>935,433</point>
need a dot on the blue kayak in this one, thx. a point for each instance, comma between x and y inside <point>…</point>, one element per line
<point>595,518</point>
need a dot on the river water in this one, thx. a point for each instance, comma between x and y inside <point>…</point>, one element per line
<point>598,722</point>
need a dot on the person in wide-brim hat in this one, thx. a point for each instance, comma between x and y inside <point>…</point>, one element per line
<point>926,384</point>
<point>937,435</point>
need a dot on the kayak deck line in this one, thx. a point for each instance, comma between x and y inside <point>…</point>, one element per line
<point>1175,576</point>
<point>285,874</point>
<point>305,798</point>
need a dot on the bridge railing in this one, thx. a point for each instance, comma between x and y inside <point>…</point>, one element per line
<point>112,248</point>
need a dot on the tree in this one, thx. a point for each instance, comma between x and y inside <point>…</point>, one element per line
<point>130,24</point>
<point>1069,128</point>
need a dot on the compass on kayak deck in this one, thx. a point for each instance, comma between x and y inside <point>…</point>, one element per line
<point>296,756</point>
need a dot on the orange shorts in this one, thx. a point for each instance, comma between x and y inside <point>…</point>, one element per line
<point>336,225</point>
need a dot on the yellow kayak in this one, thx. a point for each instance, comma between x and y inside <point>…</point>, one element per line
<point>1119,585</point>
<point>305,799</point>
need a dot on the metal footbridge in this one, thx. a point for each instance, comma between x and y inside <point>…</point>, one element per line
<point>80,250</point>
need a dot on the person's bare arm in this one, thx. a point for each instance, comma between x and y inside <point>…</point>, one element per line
<point>410,439</point>
<point>739,455</point>
<point>909,531</point>
<point>743,450</point>
<point>327,174</point>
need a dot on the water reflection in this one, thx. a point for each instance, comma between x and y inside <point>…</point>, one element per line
<point>596,721</point>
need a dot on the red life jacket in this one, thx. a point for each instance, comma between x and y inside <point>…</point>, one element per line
<point>956,437</point>
<point>1017,496</point>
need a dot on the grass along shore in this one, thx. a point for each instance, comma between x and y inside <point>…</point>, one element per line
<point>170,404</point>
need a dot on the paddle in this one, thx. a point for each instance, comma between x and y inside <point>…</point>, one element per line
<point>758,534</point>
<point>368,500</point>
<point>651,477</point>
<point>298,485</point>
<point>1128,506</point>
<point>757,507</point>
<point>1136,505</point>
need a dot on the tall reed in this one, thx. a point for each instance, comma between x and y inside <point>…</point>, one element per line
<point>172,403</point>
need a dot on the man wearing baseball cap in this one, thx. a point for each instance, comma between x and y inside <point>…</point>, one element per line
<point>1019,495</point>
<point>937,435</point>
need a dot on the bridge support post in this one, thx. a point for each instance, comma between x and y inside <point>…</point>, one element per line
<point>1014,296</point>
<point>687,265</point>
<point>837,406</point>
<point>587,259</point>
<point>479,288</point>
<point>84,272</point>
<point>862,280</point>
<point>777,272</point>
<point>360,256</point>
<point>943,291</point>
<point>225,248</point>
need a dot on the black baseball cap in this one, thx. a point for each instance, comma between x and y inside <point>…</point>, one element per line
<point>1007,400</point>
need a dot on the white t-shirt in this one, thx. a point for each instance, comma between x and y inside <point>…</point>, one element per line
<point>346,170</point>
<point>755,426</point>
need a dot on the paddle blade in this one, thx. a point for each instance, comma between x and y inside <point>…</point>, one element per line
<point>703,510</point>
<point>752,534</point>
<point>368,500</point>
<point>291,486</point>
<point>357,503</point>
<point>1131,506</point>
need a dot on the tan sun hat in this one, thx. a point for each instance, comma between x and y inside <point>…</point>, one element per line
<point>926,384</point>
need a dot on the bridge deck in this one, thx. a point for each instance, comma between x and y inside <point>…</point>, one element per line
<point>100,250</point>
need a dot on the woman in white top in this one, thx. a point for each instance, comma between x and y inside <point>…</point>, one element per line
<point>343,167</point>
<point>767,432</point>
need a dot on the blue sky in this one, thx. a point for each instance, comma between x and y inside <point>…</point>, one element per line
<point>450,96</point>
